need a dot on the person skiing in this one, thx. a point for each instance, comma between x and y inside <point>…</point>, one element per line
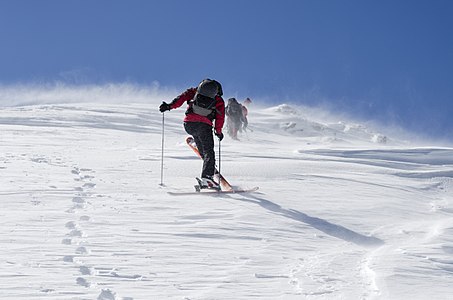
<point>205,110</point>
<point>245,113</point>
<point>235,119</point>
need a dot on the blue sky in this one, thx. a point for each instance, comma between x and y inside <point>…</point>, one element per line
<point>386,60</point>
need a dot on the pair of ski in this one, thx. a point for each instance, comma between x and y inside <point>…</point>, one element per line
<point>225,186</point>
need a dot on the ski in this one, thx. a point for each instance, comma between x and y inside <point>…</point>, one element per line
<point>224,184</point>
<point>214,192</point>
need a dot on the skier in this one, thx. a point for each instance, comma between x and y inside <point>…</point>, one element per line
<point>205,106</point>
<point>234,111</point>
<point>245,112</point>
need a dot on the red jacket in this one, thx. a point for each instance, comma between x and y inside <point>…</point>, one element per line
<point>192,117</point>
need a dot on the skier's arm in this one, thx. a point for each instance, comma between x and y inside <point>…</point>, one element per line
<point>220,114</point>
<point>183,98</point>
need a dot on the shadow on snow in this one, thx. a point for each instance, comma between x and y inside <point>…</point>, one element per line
<point>320,224</point>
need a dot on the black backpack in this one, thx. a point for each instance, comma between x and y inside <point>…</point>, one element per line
<point>204,102</point>
<point>203,106</point>
<point>234,108</point>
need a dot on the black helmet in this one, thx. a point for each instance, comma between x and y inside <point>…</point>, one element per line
<point>208,88</point>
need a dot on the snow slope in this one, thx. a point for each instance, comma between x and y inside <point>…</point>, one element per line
<point>343,212</point>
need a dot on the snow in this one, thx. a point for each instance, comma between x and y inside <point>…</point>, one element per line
<point>343,211</point>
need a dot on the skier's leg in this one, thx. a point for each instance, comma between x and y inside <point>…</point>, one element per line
<point>207,140</point>
<point>199,144</point>
<point>193,129</point>
<point>203,137</point>
<point>235,129</point>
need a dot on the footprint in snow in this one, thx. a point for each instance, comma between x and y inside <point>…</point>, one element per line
<point>68,258</point>
<point>79,203</point>
<point>82,251</point>
<point>107,295</point>
<point>89,185</point>
<point>66,241</point>
<point>84,270</point>
<point>83,282</point>
<point>79,200</point>
<point>71,225</point>
<point>76,233</point>
<point>85,218</point>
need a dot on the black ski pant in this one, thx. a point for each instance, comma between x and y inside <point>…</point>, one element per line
<point>202,134</point>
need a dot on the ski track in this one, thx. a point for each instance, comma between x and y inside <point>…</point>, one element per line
<point>84,218</point>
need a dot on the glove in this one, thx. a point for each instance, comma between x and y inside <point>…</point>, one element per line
<point>219,135</point>
<point>164,106</point>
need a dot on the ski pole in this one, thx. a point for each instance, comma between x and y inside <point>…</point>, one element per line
<point>220,157</point>
<point>162,155</point>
